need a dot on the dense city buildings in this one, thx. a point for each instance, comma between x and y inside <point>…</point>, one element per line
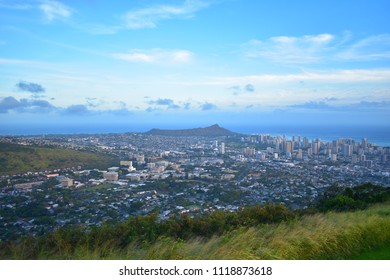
<point>175,175</point>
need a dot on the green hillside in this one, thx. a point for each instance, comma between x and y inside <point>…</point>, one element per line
<point>344,223</point>
<point>16,159</point>
<point>319,236</point>
<point>269,232</point>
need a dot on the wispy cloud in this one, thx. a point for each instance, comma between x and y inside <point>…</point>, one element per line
<point>55,10</point>
<point>15,6</point>
<point>355,107</point>
<point>156,56</point>
<point>319,48</point>
<point>372,48</point>
<point>287,49</point>
<point>149,17</point>
<point>10,61</point>
<point>330,76</point>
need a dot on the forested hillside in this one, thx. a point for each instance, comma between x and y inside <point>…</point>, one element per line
<point>16,159</point>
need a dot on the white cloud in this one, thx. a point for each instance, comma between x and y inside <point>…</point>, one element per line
<point>319,48</point>
<point>21,62</point>
<point>149,17</point>
<point>372,48</point>
<point>288,49</point>
<point>134,56</point>
<point>15,6</point>
<point>182,56</point>
<point>156,56</point>
<point>331,76</point>
<point>54,10</point>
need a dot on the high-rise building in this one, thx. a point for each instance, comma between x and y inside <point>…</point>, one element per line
<point>222,148</point>
<point>305,142</point>
<point>284,146</point>
<point>335,147</point>
<point>277,145</point>
<point>364,143</point>
<point>315,148</point>
<point>347,150</point>
<point>299,154</point>
<point>249,151</point>
<point>289,147</point>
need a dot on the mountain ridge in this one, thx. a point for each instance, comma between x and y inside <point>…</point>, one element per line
<point>210,131</point>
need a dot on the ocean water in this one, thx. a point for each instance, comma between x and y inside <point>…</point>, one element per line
<point>379,135</point>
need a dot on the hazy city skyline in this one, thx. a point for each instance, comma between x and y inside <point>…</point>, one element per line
<point>174,63</point>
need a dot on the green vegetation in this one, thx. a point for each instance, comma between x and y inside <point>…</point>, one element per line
<point>259,232</point>
<point>16,159</point>
<point>98,188</point>
<point>324,231</point>
<point>379,253</point>
<point>328,235</point>
<point>343,199</point>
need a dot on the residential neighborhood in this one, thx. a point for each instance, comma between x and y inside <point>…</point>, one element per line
<point>180,176</point>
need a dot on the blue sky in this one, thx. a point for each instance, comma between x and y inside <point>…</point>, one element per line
<point>194,62</point>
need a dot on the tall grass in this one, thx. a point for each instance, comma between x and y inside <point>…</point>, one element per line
<point>318,236</point>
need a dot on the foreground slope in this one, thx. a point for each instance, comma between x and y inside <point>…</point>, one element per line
<point>320,236</point>
<point>331,235</point>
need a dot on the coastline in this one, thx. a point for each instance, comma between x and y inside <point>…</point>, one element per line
<point>379,135</point>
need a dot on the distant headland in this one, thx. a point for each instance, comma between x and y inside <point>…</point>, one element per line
<point>211,131</point>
